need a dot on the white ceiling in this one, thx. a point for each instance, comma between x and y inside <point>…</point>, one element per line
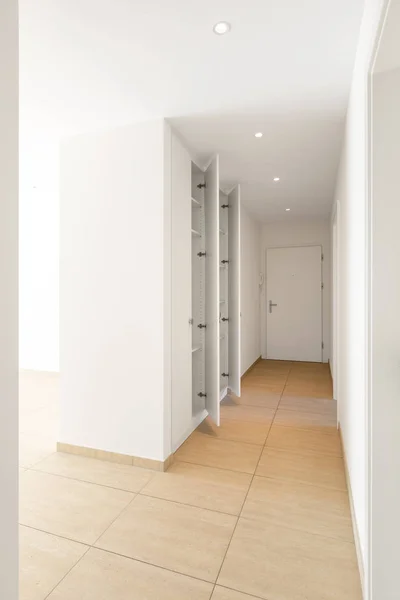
<point>284,69</point>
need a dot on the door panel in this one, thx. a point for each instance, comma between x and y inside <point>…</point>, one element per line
<point>234,289</point>
<point>181,384</point>
<point>212,358</point>
<point>294,304</point>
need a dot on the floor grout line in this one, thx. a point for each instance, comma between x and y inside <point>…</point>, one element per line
<point>91,546</point>
<point>244,501</point>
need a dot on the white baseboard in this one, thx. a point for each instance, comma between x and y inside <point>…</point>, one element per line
<point>356,533</point>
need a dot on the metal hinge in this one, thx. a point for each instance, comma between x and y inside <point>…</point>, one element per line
<point>202,395</point>
<point>201,185</point>
<point>200,254</point>
<point>322,257</point>
<point>201,326</point>
<point>322,345</point>
<point>322,286</point>
<point>224,374</point>
<point>225,319</point>
<point>224,205</point>
<point>224,262</point>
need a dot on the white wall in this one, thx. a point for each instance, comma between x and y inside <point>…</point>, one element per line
<point>39,253</point>
<point>114,357</point>
<point>9,299</point>
<point>250,268</point>
<point>299,233</point>
<point>385,333</point>
<point>351,198</point>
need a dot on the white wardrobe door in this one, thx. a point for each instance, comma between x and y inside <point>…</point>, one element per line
<point>212,358</point>
<point>234,289</point>
<point>181,293</point>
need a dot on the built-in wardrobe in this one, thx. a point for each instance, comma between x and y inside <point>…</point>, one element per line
<point>149,291</point>
<point>206,313</point>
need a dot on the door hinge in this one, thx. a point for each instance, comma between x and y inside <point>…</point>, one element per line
<point>200,254</point>
<point>224,374</point>
<point>225,319</point>
<point>201,326</point>
<point>224,205</point>
<point>224,262</point>
<point>322,345</point>
<point>322,286</point>
<point>322,257</point>
<point>201,185</point>
<point>202,395</point>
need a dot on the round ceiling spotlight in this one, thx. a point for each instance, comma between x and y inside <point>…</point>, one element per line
<point>222,27</point>
<point>258,135</point>
<point>277,178</point>
<point>287,209</point>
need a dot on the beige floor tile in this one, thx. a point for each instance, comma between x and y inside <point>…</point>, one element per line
<point>123,477</point>
<point>314,469</point>
<point>73,509</point>
<point>221,593</point>
<point>253,398</point>
<point>305,507</point>
<point>315,392</point>
<point>309,405</point>
<point>265,388</point>
<point>189,540</point>
<point>223,454</point>
<point>303,441</point>
<point>104,576</point>
<point>34,447</point>
<point>256,414</point>
<point>205,487</point>
<point>236,431</point>
<point>267,378</point>
<point>44,559</point>
<point>279,563</point>
<point>310,421</point>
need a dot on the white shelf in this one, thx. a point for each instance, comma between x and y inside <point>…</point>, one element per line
<point>196,203</point>
<point>196,233</point>
<point>196,348</point>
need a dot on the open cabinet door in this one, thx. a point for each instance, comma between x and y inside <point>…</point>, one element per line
<point>181,309</point>
<point>234,290</point>
<point>212,359</point>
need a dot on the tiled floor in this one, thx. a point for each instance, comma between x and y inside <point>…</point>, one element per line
<point>257,508</point>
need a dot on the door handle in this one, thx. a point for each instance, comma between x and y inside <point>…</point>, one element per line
<point>271,304</point>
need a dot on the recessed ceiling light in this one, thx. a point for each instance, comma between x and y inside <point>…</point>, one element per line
<point>277,178</point>
<point>287,209</point>
<point>222,27</point>
<point>259,134</point>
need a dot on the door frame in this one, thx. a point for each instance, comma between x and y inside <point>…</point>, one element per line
<point>264,343</point>
<point>335,329</point>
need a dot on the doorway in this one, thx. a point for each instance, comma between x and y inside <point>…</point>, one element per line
<point>294,303</point>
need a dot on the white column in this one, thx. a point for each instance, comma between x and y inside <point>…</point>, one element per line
<point>114,291</point>
<point>9,298</point>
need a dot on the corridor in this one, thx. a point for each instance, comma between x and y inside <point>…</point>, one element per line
<point>257,508</point>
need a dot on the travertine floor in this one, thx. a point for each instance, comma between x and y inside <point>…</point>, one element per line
<point>257,508</point>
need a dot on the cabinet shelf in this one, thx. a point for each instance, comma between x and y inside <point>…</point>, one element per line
<point>196,203</point>
<point>196,349</point>
<point>196,233</point>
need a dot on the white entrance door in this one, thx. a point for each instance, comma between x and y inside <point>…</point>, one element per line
<point>294,303</point>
